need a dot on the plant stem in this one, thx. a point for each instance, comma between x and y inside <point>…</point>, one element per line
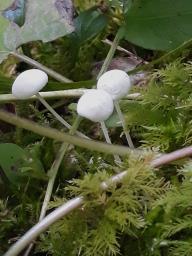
<point>54,169</point>
<point>108,140</point>
<point>64,137</point>
<point>74,93</point>
<point>57,116</point>
<point>76,202</point>
<point>110,54</point>
<point>43,225</point>
<point>121,117</point>
<point>38,65</point>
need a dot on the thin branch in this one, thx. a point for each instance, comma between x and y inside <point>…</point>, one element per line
<point>108,140</point>
<point>38,65</point>
<point>170,157</point>
<point>122,119</point>
<point>73,93</point>
<point>57,116</point>
<point>78,201</point>
<point>119,48</point>
<point>43,225</point>
<point>63,137</point>
<point>110,54</point>
<point>54,170</point>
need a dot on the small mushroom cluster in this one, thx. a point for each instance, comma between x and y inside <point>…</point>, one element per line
<point>97,104</point>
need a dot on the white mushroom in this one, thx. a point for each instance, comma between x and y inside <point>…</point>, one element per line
<point>95,105</point>
<point>115,82</point>
<point>29,83</point>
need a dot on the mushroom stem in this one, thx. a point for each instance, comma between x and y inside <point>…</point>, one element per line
<point>108,140</point>
<point>121,117</point>
<point>57,116</point>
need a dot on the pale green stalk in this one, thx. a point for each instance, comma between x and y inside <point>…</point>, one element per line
<point>54,170</point>
<point>38,65</point>
<point>108,140</point>
<point>110,54</point>
<point>64,137</point>
<point>57,116</point>
<point>121,117</point>
<point>73,93</point>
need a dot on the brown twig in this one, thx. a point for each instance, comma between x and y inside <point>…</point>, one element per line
<point>170,157</point>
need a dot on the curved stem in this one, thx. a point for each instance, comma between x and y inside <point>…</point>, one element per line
<point>78,201</point>
<point>121,117</point>
<point>173,156</point>
<point>108,140</point>
<point>43,225</point>
<point>38,65</point>
<point>57,116</point>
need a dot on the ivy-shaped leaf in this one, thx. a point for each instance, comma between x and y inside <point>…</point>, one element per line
<point>42,22</point>
<point>45,20</point>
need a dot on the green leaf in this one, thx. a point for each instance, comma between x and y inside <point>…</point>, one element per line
<point>43,22</point>
<point>113,121</point>
<point>158,25</point>
<point>6,84</point>
<point>88,24</point>
<point>11,160</point>
<point>17,164</point>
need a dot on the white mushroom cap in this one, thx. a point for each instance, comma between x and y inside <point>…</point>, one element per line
<point>115,82</point>
<point>95,105</point>
<point>29,83</point>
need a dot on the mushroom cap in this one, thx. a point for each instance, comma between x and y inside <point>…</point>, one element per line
<point>95,105</point>
<point>29,83</point>
<point>116,82</point>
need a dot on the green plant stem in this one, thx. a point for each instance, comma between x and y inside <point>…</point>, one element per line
<point>108,140</point>
<point>121,117</point>
<point>77,202</point>
<point>74,93</point>
<point>38,65</point>
<point>64,137</point>
<point>110,54</point>
<point>57,116</point>
<point>54,169</point>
